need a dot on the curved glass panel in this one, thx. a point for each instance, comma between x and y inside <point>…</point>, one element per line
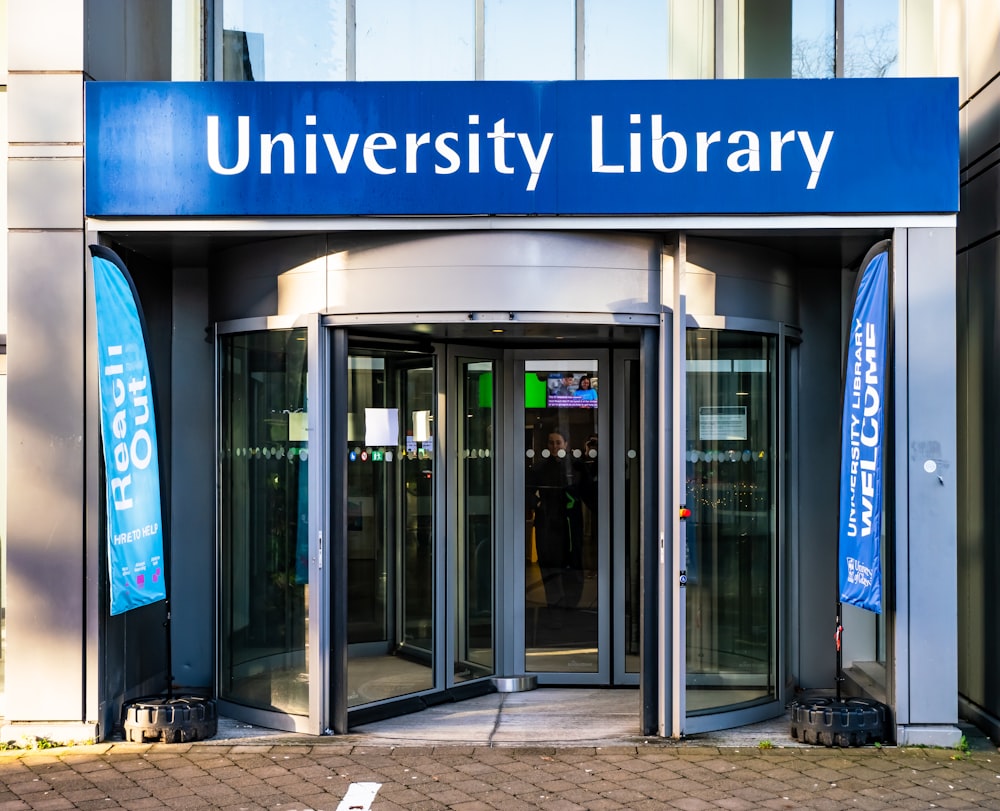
<point>390,524</point>
<point>264,521</point>
<point>474,620</point>
<point>732,530</point>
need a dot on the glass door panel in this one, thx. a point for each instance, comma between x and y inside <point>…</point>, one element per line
<point>264,452</point>
<point>731,594</point>
<point>475,533</point>
<point>562,549</point>
<point>627,521</point>
<point>390,524</point>
<point>417,561</point>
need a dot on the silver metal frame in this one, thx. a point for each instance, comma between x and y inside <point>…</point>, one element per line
<point>319,525</point>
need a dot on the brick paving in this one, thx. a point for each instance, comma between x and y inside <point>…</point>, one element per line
<point>316,776</point>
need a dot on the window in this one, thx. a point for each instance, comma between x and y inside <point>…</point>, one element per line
<point>262,41</point>
<point>430,40</point>
<point>625,41</point>
<point>530,39</point>
<point>546,40</point>
<point>871,38</point>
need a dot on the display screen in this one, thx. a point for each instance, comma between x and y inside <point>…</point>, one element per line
<point>571,390</point>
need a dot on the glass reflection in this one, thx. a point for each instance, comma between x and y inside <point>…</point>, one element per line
<point>266,41</point>
<point>264,521</point>
<point>560,503</point>
<point>871,38</point>
<point>732,529</point>
<point>813,39</point>
<point>474,638</point>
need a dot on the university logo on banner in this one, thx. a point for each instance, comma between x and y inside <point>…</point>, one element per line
<point>862,441</point>
<point>128,437</point>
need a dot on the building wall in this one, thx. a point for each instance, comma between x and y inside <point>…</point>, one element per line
<point>53,665</point>
<point>47,609</point>
<point>979,359</point>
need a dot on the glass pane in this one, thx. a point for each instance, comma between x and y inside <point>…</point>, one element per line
<point>532,40</point>
<point>265,550</point>
<point>871,38</point>
<point>265,41</point>
<point>561,554</point>
<point>474,640</point>
<point>767,40</point>
<point>813,39</point>
<point>731,533</point>
<point>625,40</point>
<point>430,40</point>
<point>783,39</point>
<point>632,573</point>
<point>390,524</point>
<point>418,509</point>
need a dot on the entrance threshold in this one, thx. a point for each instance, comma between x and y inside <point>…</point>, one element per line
<point>547,717</point>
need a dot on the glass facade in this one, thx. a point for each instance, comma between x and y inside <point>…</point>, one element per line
<point>543,40</point>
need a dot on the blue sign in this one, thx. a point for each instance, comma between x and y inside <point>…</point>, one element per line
<point>128,436</point>
<point>549,148</point>
<point>862,441</point>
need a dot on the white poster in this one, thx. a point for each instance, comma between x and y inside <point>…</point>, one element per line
<point>382,426</point>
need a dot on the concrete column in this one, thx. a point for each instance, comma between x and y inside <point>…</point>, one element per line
<point>51,680</point>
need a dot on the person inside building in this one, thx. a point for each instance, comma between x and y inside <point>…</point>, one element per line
<point>566,387</point>
<point>555,494</point>
<point>586,390</point>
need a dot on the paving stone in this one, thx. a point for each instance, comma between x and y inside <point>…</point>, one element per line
<point>510,779</point>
